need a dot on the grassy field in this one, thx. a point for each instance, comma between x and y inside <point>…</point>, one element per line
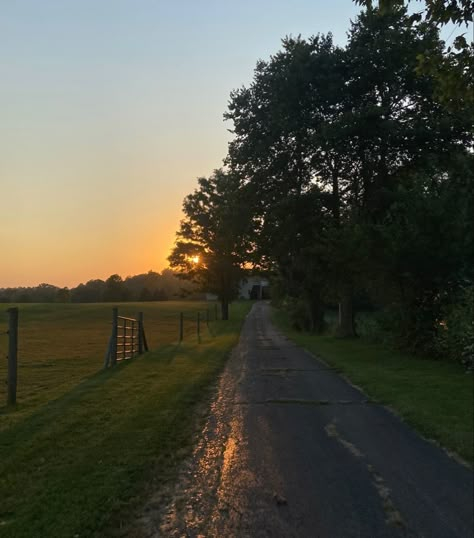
<point>78,465</point>
<point>436,397</point>
<point>62,344</point>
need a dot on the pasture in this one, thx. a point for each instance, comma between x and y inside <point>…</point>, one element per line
<point>62,344</point>
<point>78,457</point>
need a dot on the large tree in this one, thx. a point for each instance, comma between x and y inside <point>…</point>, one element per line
<point>213,245</point>
<point>286,149</point>
<point>356,123</point>
<point>402,140</point>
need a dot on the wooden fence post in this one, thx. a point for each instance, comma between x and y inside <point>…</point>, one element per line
<point>145,343</point>
<point>140,333</point>
<point>113,347</point>
<point>12,355</point>
<point>181,327</point>
<point>199,326</point>
<point>108,354</point>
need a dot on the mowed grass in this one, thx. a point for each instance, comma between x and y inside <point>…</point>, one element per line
<point>436,397</point>
<point>80,464</point>
<point>62,344</point>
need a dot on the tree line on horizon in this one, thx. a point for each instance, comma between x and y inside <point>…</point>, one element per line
<point>151,286</point>
<point>350,182</point>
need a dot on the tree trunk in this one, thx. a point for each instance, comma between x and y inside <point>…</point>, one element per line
<point>335,194</point>
<point>316,316</point>
<point>346,328</point>
<point>224,309</point>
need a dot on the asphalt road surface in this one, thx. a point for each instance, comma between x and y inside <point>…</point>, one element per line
<point>291,449</point>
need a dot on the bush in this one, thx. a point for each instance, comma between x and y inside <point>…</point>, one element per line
<point>455,338</point>
<point>467,356</point>
<point>383,327</point>
<point>298,314</point>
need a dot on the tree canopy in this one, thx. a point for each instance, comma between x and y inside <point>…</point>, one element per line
<point>348,128</point>
<point>212,245</point>
<point>453,68</point>
<point>349,180</point>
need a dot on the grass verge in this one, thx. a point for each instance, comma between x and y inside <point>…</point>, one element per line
<point>433,396</point>
<point>82,462</point>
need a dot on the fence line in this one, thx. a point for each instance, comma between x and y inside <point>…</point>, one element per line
<point>196,323</point>
<point>12,357</point>
<point>127,340</point>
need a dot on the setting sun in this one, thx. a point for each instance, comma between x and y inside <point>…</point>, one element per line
<point>195,259</point>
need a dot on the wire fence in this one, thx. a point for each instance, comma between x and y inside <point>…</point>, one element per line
<point>4,344</point>
<point>192,325</point>
<point>60,345</point>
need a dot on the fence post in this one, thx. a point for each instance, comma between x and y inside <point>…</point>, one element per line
<point>12,354</point>
<point>199,326</point>
<point>132,338</point>
<point>215,311</point>
<point>180,326</point>
<point>113,347</point>
<point>140,333</point>
<point>145,343</point>
<point>108,353</point>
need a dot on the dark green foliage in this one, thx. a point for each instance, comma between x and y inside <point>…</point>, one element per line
<point>437,11</point>
<point>151,286</point>
<point>115,290</point>
<point>455,337</point>
<point>423,252</point>
<point>285,148</point>
<point>90,292</point>
<point>362,177</point>
<point>357,179</point>
<point>212,243</point>
<point>453,69</point>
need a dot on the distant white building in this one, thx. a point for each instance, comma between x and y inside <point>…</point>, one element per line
<point>252,287</point>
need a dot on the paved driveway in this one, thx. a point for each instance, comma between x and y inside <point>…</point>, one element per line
<point>290,449</point>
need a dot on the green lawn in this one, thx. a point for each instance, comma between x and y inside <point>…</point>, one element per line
<point>78,464</point>
<point>436,397</point>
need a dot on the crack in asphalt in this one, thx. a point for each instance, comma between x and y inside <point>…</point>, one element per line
<point>287,370</point>
<point>284,401</point>
<point>393,516</point>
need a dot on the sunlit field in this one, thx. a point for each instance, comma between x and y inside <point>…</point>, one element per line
<point>61,344</point>
<point>85,446</point>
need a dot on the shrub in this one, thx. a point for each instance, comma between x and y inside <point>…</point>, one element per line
<point>298,314</point>
<point>455,338</point>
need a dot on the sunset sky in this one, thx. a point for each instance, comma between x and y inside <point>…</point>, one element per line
<point>110,111</point>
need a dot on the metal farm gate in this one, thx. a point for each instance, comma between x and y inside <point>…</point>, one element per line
<point>127,339</point>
